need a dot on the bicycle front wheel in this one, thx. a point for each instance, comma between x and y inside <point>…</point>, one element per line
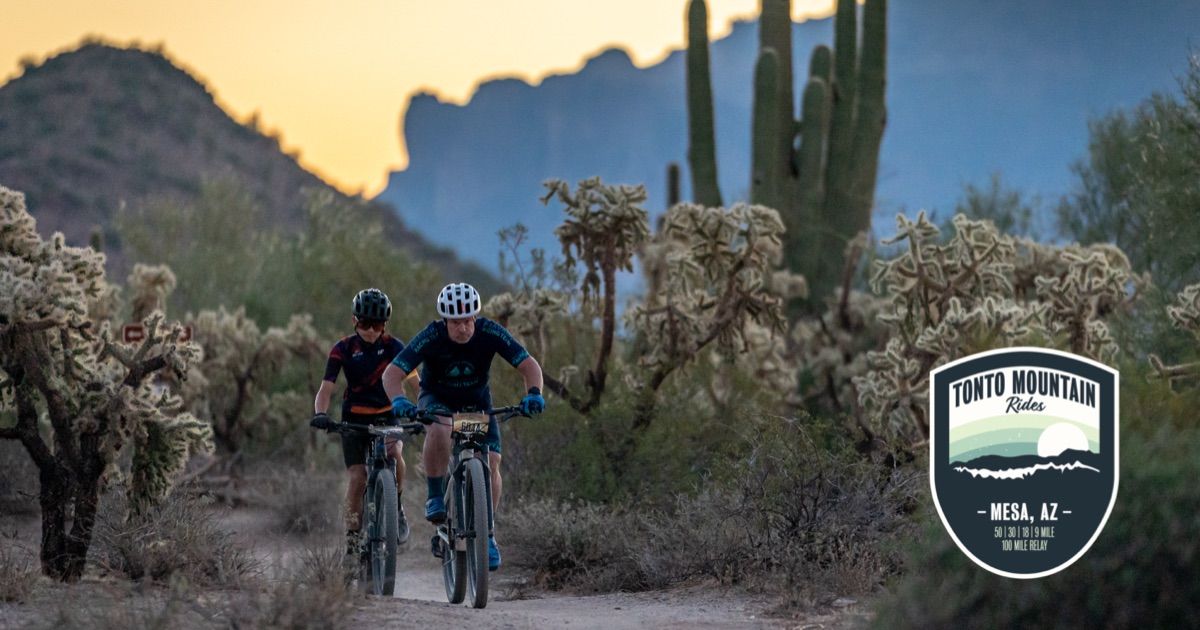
<point>454,561</point>
<point>475,510</point>
<point>384,534</point>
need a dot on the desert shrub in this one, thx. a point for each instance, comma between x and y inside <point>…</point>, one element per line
<point>306,503</point>
<point>1142,572</point>
<point>18,573</point>
<point>180,537</point>
<point>317,597</point>
<point>800,508</point>
<point>588,546</point>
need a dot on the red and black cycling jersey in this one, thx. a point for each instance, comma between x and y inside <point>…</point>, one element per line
<point>364,364</point>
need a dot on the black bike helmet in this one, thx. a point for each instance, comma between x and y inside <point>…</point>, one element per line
<point>372,304</point>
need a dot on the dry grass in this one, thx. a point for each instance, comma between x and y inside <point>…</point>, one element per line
<point>179,538</point>
<point>305,503</point>
<point>317,597</point>
<point>19,572</point>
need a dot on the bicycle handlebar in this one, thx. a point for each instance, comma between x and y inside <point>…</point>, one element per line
<point>401,430</point>
<point>504,414</point>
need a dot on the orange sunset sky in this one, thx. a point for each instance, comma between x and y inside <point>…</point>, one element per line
<point>334,77</point>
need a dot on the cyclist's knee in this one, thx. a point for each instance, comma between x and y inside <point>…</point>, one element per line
<point>494,462</point>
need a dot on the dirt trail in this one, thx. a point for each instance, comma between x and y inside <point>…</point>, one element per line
<point>420,598</point>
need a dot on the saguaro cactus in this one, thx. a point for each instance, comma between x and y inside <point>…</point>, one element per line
<point>702,147</point>
<point>824,184</point>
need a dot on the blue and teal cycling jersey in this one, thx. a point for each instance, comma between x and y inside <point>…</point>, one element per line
<point>457,373</point>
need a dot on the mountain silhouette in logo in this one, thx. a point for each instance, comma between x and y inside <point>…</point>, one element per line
<point>459,370</point>
<point>1069,461</point>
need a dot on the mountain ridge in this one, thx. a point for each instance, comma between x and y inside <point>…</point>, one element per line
<point>97,127</point>
<point>974,88</point>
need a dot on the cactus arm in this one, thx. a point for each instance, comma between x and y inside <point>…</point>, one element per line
<point>871,116</point>
<point>764,139</point>
<point>672,184</point>
<point>841,132</point>
<point>821,64</point>
<point>775,32</point>
<point>801,239</point>
<point>702,151</point>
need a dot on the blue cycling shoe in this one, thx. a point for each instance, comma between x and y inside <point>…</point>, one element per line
<point>493,554</point>
<point>435,510</point>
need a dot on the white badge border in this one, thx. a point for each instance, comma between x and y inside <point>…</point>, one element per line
<point>1116,455</point>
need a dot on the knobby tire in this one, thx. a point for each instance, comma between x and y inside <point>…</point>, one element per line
<point>385,535</point>
<point>454,562</point>
<point>476,512</point>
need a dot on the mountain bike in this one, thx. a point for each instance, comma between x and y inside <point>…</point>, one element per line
<point>377,570</point>
<point>461,541</point>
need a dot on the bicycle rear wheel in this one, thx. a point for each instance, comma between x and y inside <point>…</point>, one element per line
<point>475,510</point>
<point>454,562</point>
<point>383,534</point>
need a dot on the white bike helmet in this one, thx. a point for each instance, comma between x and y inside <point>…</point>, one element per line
<point>458,301</point>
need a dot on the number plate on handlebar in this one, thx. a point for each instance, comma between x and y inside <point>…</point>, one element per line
<point>471,423</point>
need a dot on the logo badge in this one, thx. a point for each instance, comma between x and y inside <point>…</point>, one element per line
<point>461,369</point>
<point>1023,456</point>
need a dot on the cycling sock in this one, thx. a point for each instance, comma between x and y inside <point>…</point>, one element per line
<point>352,540</point>
<point>437,486</point>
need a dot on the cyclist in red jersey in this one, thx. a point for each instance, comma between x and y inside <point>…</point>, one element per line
<point>363,356</point>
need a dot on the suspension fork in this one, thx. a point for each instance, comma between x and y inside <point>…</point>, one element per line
<point>484,457</point>
<point>378,463</point>
<point>458,466</point>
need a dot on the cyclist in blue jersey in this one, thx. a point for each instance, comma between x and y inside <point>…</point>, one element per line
<point>457,352</point>
<point>363,356</point>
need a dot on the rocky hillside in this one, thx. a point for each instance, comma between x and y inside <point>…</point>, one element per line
<point>93,129</point>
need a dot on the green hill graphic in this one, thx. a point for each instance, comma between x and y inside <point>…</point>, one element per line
<point>1009,436</point>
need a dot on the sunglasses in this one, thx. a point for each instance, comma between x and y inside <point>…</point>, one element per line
<point>371,324</point>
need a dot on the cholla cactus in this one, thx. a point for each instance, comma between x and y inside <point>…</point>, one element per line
<point>162,445</point>
<point>57,363</point>
<point>239,360</point>
<point>605,227</point>
<point>981,290</point>
<point>831,350</point>
<point>719,285</point>
<point>151,285</point>
<point>1185,315</point>
<point>528,313</point>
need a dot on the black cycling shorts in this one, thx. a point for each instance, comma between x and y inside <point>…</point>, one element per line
<point>355,446</point>
<point>428,401</point>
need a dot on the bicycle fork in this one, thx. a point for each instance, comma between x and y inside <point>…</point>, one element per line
<point>460,535</point>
